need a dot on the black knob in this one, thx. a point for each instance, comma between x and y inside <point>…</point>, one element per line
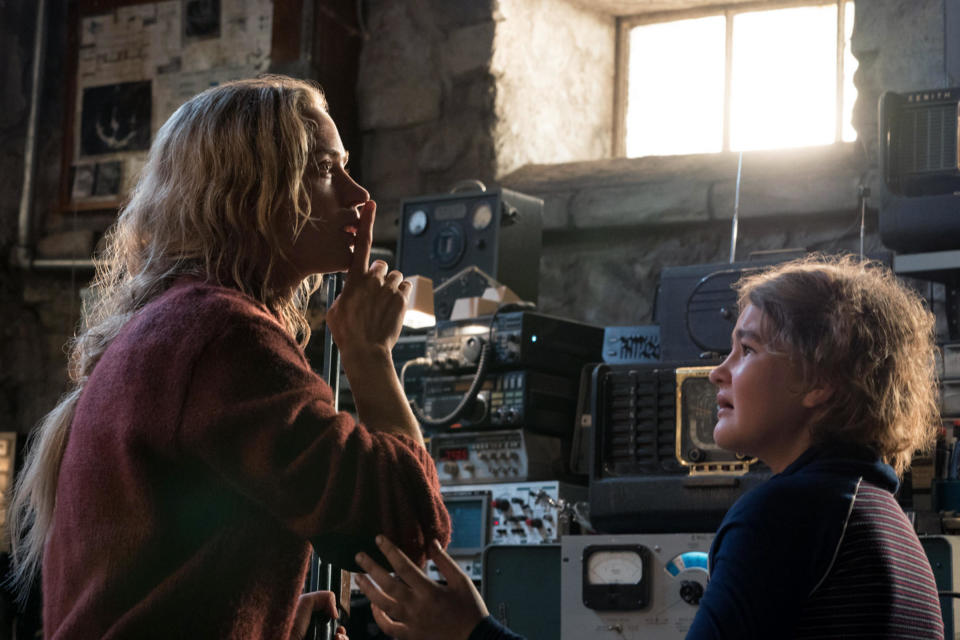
<point>502,504</point>
<point>691,591</point>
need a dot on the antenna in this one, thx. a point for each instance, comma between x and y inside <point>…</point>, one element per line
<point>736,212</point>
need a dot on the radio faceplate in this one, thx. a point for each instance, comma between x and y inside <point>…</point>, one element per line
<point>518,340</point>
<point>632,587</point>
<point>529,399</point>
<point>494,456</point>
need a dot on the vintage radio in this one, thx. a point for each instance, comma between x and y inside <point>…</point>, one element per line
<point>654,467</point>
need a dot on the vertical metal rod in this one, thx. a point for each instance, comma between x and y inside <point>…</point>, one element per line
<point>841,51</point>
<point>25,230</point>
<point>727,79</point>
<point>320,574</point>
<point>864,193</point>
<point>736,212</point>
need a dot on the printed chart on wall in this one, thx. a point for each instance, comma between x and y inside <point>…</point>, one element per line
<point>138,63</point>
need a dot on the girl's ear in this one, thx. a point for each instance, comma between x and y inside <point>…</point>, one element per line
<point>817,395</point>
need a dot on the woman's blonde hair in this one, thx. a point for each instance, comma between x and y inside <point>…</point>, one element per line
<point>218,198</point>
<point>852,325</point>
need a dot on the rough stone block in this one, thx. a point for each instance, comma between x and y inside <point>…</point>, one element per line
<point>390,106</point>
<point>469,48</point>
<point>445,143</point>
<point>457,13</point>
<point>671,189</point>
<point>398,83</point>
<point>390,156</point>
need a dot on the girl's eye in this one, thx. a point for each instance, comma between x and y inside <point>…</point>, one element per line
<point>746,349</point>
<point>325,166</point>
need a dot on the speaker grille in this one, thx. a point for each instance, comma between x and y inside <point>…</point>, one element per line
<point>929,139</point>
<point>638,422</point>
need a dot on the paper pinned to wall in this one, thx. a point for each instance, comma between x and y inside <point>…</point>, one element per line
<point>138,63</point>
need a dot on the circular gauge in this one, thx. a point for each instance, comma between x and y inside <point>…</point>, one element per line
<point>615,577</point>
<point>614,567</point>
<point>417,222</point>
<point>482,217</point>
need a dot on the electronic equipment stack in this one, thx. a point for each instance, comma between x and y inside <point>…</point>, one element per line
<point>502,463</point>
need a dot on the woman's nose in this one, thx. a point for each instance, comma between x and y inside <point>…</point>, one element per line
<point>353,192</point>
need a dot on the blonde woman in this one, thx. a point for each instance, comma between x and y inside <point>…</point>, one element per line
<point>176,490</point>
<point>831,383</point>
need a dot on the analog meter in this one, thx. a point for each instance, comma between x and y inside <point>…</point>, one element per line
<point>615,577</point>
<point>417,222</point>
<point>482,216</point>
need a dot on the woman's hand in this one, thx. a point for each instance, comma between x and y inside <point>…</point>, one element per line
<point>365,321</point>
<point>411,606</point>
<point>368,314</point>
<point>317,601</point>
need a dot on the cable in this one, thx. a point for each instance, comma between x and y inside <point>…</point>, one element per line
<point>469,397</point>
<point>478,377</point>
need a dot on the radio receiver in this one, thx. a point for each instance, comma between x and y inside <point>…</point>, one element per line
<point>497,230</point>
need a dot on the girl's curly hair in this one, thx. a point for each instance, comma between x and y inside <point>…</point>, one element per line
<point>852,325</point>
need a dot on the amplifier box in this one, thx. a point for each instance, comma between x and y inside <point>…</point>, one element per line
<point>521,587</point>
<point>536,401</point>
<point>497,230</point>
<point>632,587</point>
<point>519,340</point>
<point>697,307</point>
<point>495,456</point>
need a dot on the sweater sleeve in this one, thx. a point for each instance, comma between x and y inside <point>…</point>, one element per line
<point>263,422</point>
<point>489,629</point>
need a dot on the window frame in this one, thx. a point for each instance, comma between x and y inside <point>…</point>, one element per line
<point>622,58</point>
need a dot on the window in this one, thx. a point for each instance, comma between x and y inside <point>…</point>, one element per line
<point>737,79</point>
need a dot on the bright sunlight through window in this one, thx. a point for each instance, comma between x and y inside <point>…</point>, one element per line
<point>779,90</point>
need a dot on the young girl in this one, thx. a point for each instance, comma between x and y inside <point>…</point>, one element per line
<point>176,490</point>
<point>831,382</point>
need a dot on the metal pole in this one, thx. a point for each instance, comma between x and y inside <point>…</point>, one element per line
<point>21,253</point>
<point>736,211</point>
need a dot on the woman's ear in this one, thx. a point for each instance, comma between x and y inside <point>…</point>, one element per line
<point>817,395</point>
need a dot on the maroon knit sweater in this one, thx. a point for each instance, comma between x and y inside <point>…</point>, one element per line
<point>203,458</point>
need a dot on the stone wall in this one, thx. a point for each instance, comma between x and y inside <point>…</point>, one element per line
<point>611,225</point>
<point>453,90</point>
<point>553,63</point>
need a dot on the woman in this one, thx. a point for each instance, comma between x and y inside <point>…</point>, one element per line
<point>176,490</point>
<point>830,382</point>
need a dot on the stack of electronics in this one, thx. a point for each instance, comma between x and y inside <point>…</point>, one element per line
<point>501,453</point>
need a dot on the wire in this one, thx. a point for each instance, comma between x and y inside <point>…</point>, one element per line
<point>482,363</point>
<point>468,397</point>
